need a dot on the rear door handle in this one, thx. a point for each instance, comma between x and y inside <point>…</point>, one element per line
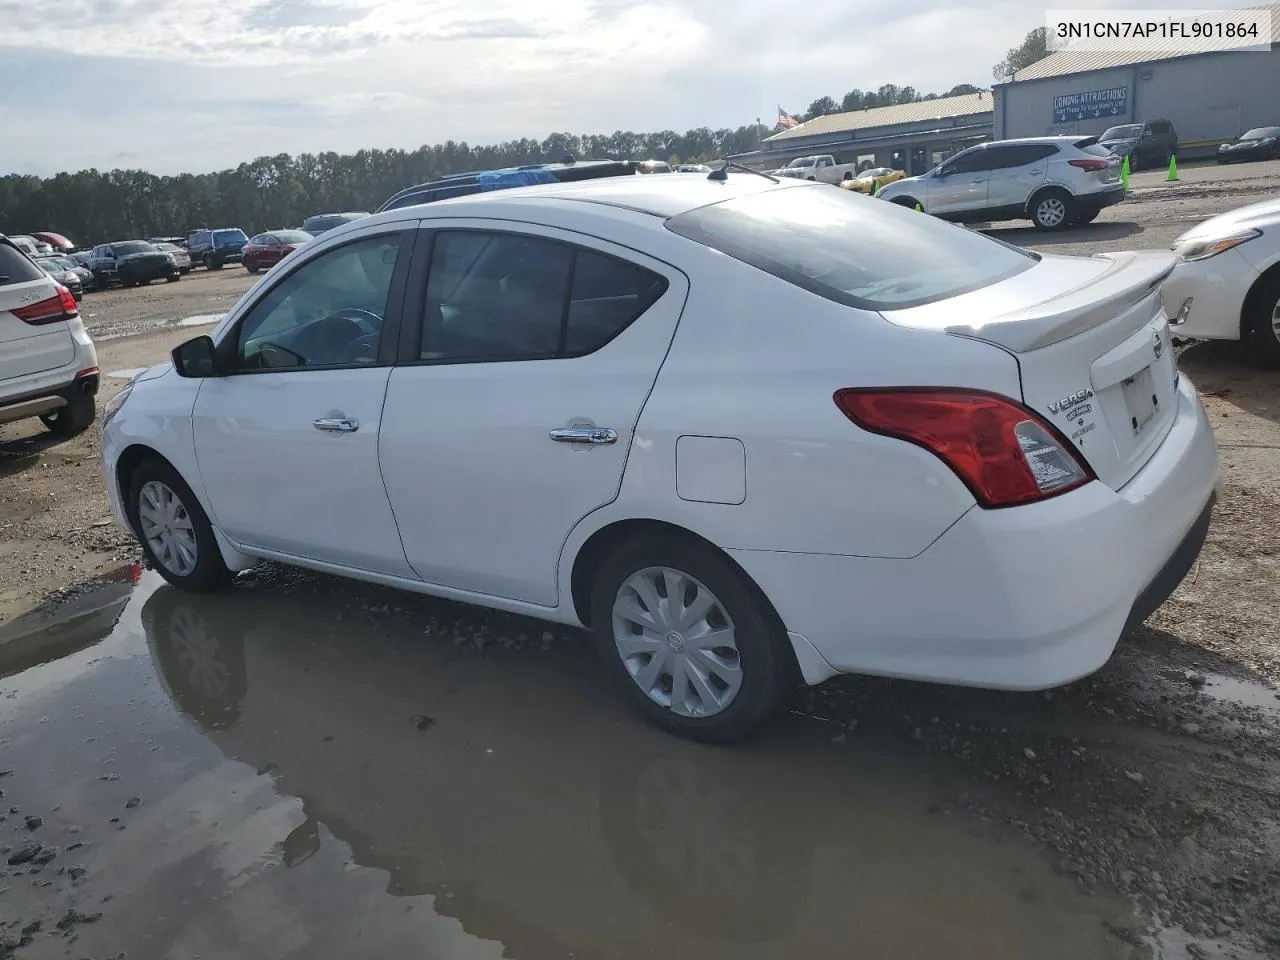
<point>337,424</point>
<point>593,435</point>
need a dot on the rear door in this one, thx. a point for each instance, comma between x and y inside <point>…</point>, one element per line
<point>28,346</point>
<point>1017,171</point>
<point>528,357</point>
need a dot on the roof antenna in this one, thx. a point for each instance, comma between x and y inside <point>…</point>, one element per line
<point>723,173</point>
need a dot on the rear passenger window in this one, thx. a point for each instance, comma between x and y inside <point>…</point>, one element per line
<point>501,296</point>
<point>15,267</point>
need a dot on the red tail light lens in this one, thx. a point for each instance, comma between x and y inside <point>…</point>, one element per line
<point>1091,165</point>
<point>1004,453</point>
<point>60,307</point>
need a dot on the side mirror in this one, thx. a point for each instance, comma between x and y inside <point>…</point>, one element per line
<point>195,358</point>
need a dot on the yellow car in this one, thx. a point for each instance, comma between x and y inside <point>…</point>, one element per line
<point>877,175</point>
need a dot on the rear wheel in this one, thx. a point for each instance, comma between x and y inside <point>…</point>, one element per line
<point>172,279</point>
<point>75,418</point>
<point>1052,210</point>
<point>1263,321</point>
<point>175,533</point>
<point>695,647</point>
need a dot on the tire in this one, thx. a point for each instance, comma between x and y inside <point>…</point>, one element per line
<point>755,654</point>
<point>207,261</point>
<point>73,419</point>
<point>1052,210</point>
<point>812,179</point>
<point>251,269</point>
<point>1085,216</point>
<point>208,572</point>
<point>215,263</point>
<point>173,279</point>
<point>1135,163</point>
<point>1262,317</point>
<point>184,271</point>
<point>145,282</point>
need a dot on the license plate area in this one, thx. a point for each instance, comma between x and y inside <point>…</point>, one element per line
<point>1140,399</point>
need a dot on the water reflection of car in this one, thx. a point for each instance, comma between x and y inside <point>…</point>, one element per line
<point>265,250</point>
<point>1260,143</point>
<point>179,254</point>
<point>879,176</point>
<point>64,627</point>
<point>572,833</point>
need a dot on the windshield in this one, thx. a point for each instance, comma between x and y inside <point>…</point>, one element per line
<point>1129,131</point>
<point>229,238</point>
<point>802,162</point>
<point>852,249</point>
<point>874,172</point>
<point>1260,133</point>
<point>166,247</point>
<point>131,247</point>
<point>291,236</point>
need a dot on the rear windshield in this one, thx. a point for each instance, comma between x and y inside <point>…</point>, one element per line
<point>853,249</point>
<point>15,267</point>
<point>229,238</point>
<point>132,246</point>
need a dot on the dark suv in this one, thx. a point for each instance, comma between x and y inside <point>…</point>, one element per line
<point>479,181</point>
<point>216,248</point>
<point>1149,144</point>
<point>130,263</point>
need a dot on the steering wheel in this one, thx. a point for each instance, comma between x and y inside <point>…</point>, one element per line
<point>368,321</point>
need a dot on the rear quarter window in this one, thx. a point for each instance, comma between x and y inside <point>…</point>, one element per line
<point>852,249</point>
<point>15,267</point>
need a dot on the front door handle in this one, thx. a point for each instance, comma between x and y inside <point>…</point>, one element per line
<point>593,435</point>
<point>337,424</point>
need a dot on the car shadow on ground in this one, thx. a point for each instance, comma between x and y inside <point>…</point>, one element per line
<point>21,453</point>
<point>1222,369</point>
<point>1092,232</point>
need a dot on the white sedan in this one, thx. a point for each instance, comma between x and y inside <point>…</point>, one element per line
<point>1227,282</point>
<point>744,431</point>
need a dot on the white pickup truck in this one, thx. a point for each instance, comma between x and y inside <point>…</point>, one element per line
<point>821,167</point>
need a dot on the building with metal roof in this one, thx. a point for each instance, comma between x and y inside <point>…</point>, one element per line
<point>1210,96</point>
<point>914,137</point>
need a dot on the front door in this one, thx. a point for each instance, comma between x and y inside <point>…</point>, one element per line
<point>960,185</point>
<point>287,441</point>
<point>510,416</point>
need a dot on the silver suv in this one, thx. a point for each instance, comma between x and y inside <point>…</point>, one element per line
<point>1054,182</point>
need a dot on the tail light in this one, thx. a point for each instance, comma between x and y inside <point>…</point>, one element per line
<point>62,306</point>
<point>1093,166</point>
<point>1004,453</point>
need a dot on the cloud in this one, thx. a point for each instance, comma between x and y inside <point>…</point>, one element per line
<point>189,86</point>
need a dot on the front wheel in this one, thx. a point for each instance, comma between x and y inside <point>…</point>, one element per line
<point>174,530</point>
<point>1052,210</point>
<point>72,419</point>
<point>251,267</point>
<point>697,650</point>
<point>1263,319</point>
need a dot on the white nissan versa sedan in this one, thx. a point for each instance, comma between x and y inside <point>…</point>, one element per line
<point>744,430</point>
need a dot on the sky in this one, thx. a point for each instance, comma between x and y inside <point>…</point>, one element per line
<point>175,85</point>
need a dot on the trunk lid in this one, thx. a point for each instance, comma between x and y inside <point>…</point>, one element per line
<point>26,349</point>
<point>1092,346</point>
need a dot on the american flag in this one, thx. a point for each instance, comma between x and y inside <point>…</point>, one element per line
<point>785,120</point>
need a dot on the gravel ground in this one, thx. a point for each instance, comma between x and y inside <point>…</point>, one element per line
<point>1155,779</point>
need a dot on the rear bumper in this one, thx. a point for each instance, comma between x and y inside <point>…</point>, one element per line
<point>1100,201</point>
<point>44,392</point>
<point>1023,599</point>
<point>1204,299</point>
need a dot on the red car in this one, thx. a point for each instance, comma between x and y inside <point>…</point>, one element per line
<point>265,250</point>
<point>59,243</point>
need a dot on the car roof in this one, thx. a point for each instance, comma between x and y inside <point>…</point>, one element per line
<point>662,197</point>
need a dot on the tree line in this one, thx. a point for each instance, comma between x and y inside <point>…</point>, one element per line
<point>94,206</point>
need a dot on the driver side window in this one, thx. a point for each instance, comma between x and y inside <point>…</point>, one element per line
<point>327,313</point>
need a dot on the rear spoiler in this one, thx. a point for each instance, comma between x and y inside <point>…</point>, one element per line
<point>1086,142</point>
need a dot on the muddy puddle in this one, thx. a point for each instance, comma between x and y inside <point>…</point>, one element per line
<point>267,773</point>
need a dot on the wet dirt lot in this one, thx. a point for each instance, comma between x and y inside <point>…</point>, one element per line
<point>306,767</point>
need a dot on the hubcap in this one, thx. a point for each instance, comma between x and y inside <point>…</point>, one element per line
<point>167,528</point>
<point>1052,211</point>
<point>677,642</point>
